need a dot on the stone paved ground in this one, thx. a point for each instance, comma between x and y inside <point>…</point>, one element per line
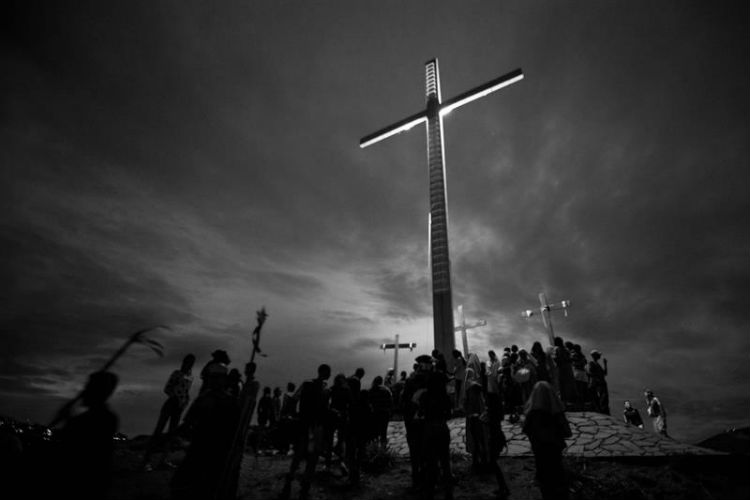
<point>594,435</point>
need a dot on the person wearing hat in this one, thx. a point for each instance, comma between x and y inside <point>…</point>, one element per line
<point>598,382</point>
<point>657,413</point>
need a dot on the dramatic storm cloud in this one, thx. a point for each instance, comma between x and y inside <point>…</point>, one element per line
<point>186,163</point>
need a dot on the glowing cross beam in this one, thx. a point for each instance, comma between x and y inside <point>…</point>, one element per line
<point>445,108</point>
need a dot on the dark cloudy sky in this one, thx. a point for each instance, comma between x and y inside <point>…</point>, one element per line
<point>186,163</point>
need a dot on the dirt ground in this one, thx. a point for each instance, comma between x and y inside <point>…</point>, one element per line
<point>705,478</point>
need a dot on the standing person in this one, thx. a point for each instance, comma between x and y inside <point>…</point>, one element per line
<point>494,394</point>
<point>86,444</point>
<point>341,402</point>
<point>276,406</point>
<point>580,375</point>
<point>215,371</point>
<point>177,390</point>
<point>657,413</point>
<point>631,415</point>
<point>289,401</point>
<point>459,375</point>
<point>396,390</point>
<point>390,379</point>
<point>416,384</point>
<point>265,408</point>
<point>539,358</point>
<point>214,418</point>
<point>565,377</point>
<point>381,400</point>
<point>525,374</point>
<point>356,432</point>
<point>598,382</point>
<point>288,423</point>
<point>435,407</point>
<point>475,409</point>
<point>547,427</point>
<point>234,383</point>
<point>439,361</point>
<point>511,390</point>
<point>313,413</point>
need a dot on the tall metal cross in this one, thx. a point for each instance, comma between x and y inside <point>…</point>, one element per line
<point>463,327</point>
<point>432,115</point>
<point>396,346</point>
<point>546,317</point>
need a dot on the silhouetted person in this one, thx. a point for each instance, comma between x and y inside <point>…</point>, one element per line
<point>598,382</point>
<point>215,371</point>
<point>265,408</point>
<point>459,376</point>
<point>565,378</point>
<point>439,360</point>
<point>177,390</point>
<point>631,415</point>
<point>494,393</point>
<point>234,383</point>
<point>435,407</point>
<point>313,413</point>
<point>415,385</point>
<point>341,402</point>
<point>580,375</point>
<point>381,400</point>
<point>215,415</point>
<point>547,427</point>
<point>86,442</point>
<point>356,434</point>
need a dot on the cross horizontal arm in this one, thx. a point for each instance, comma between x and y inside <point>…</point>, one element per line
<point>481,91</point>
<point>400,346</point>
<point>469,327</point>
<point>396,128</point>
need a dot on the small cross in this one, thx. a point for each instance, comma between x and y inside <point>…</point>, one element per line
<point>545,311</point>
<point>396,346</point>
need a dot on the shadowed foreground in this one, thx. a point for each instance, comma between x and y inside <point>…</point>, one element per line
<point>671,478</point>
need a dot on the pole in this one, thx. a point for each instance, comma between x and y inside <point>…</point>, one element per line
<point>395,358</point>
<point>547,318</point>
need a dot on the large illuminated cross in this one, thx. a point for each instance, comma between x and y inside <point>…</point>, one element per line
<point>442,302</point>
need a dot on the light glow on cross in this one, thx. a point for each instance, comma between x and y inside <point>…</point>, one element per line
<point>475,94</point>
<point>404,126</point>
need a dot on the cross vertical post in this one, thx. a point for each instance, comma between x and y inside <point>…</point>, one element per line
<point>463,328</point>
<point>432,116</point>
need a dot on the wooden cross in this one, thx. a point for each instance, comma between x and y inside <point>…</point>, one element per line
<point>463,327</point>
<point>432,116</point>
<point>396,346</point>
<point>545,311</point>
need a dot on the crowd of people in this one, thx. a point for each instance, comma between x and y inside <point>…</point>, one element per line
<point>338,421</point>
